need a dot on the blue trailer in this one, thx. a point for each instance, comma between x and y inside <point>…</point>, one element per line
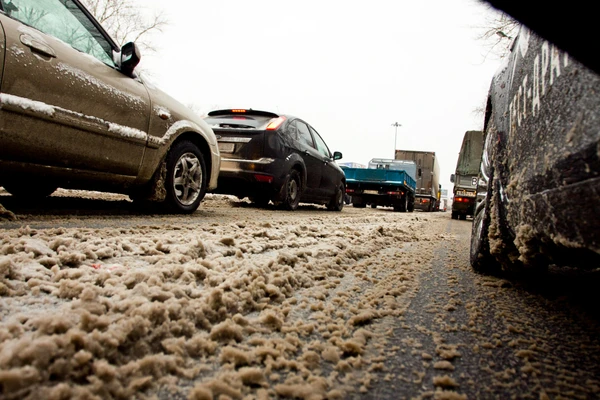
<point>387,182</point>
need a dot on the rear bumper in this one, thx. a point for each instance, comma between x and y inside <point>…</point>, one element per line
<point>465,207</point>
<point>249,177</point>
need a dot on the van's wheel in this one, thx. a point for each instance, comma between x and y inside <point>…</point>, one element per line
<point>480,255</point>
<point>186,177</point>
<point>337,201</point>
<point>291,191</point>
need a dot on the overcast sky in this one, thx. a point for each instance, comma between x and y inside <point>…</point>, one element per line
<point>349,68</point>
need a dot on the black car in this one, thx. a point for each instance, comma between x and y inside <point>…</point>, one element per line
<point>539,182</point>
<point>273,157</point>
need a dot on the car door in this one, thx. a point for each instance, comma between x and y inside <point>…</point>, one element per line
<point>64,104</point>
<point>330,175</point>
<point>309,154</point>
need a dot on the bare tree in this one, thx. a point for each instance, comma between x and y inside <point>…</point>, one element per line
<point>498,32</point>
<point>126,21</point>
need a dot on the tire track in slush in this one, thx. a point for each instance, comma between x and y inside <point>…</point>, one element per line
<point>471,336</point>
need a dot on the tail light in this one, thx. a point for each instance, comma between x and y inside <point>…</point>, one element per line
<point>275,123</point>
<point>263,178</point>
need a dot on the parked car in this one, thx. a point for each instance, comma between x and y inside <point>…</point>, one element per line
<point>539,181</point>
<point>75,114</point>
<point>275,157</point>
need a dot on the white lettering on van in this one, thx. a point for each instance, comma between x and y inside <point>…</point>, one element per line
<point>529,95</point>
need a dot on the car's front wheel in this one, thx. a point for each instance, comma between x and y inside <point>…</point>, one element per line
<point>186,177</point>
<point>337,201</point>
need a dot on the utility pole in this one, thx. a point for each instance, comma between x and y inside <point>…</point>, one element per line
<point>396,125</point>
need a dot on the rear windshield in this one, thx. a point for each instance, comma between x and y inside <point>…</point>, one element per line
<point>236,121</point>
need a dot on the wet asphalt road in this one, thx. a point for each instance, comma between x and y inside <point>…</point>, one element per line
<point>471,336</point>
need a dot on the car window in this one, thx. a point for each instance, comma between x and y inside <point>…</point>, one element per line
<point>304,134</point>
<point>321,146</point>
<point>292,131</point>
<point>64,20</point>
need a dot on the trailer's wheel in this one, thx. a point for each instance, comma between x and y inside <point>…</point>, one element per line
<point>358,202</point>
<point>411,204</point>
<point>403,205</point>
<point>337,201</point>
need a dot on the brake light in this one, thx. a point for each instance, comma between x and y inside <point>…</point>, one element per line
<point>349,190</point>
<point>275,123</point>
<point>263,178</point>
<point>238,111</point>
<point>459,199</point>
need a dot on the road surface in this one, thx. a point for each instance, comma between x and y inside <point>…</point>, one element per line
<point>99,299</point>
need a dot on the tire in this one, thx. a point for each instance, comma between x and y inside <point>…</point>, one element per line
<point>411,204</point>
<point>480,255</point>
<point>462,217</point>
<point>291,191</point>
<point>357,202</point>
<point>337,201</point>
<point>29,189</point>
<point>186,177</point>
<point>261,201</point>
<point>454,215</point>
<point>403,206</point>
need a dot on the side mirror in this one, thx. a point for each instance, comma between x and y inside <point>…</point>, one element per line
<point>452,178</point>
<point>130,58</point>
<point>337,155</point>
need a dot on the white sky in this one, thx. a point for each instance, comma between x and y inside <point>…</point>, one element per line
<point>349,68</point>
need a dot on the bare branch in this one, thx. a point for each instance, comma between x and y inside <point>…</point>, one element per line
<point>126,21</point>
<point>498,33</point>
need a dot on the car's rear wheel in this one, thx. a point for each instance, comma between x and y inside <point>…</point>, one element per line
<point>337,201</point>
<point>260,200</point>
<point>29,188</point>
<point>291,191</point>
<point>186,177</point>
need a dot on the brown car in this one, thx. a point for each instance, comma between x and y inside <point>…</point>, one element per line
<point>74,114</point>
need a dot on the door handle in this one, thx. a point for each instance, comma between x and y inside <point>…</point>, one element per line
<point>37,46</point>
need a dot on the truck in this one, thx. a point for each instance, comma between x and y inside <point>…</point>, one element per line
<point>427,177</point>
<point>386,183</point>
<point>466,175</point>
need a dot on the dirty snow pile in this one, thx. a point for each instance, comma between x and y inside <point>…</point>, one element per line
<point>248,303</point>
